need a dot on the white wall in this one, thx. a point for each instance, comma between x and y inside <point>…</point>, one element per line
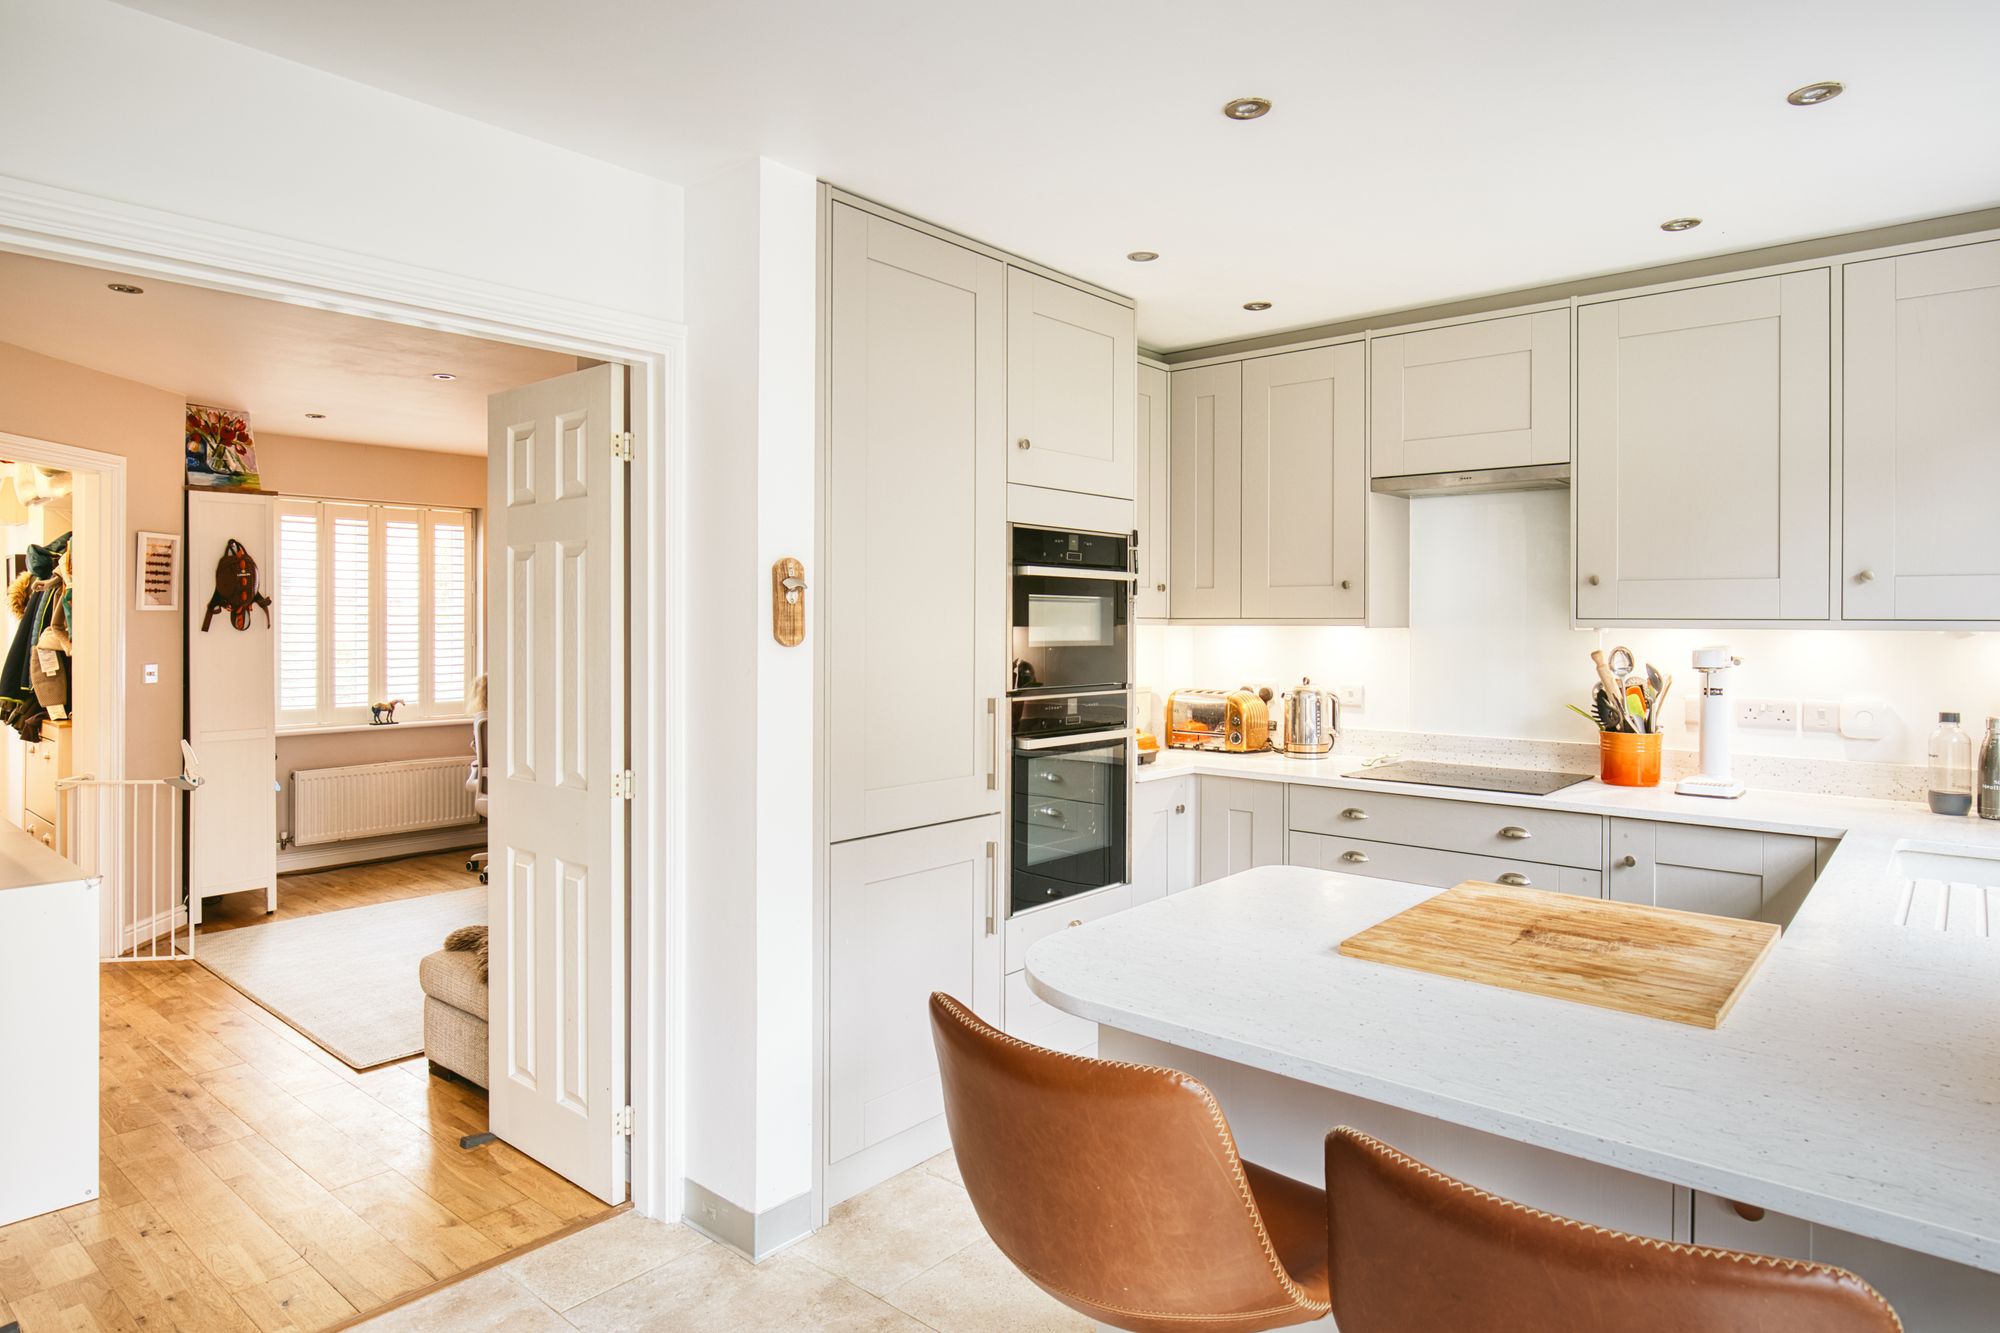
<point>1489,650</point>
<point>752,315</point>
<point>124,106</point>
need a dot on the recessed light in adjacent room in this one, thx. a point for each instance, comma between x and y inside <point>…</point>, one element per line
<point>315,416</point>
<point>1143,256</point>
<point>1680,224</point>
<point>1245,108</point>
<point>1256,305</point>
<point>443,375</point>
<point>125,289</point>
<point>1815,93</point>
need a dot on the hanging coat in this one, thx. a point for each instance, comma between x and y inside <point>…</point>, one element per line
<point>20,706</point>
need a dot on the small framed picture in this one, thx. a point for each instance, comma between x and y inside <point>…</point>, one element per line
<point>159,577</point>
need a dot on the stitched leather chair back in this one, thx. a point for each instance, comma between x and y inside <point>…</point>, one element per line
<point>1115,1187</point>
<point>1413,1249</point>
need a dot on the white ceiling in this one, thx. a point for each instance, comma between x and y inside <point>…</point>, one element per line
<point>1420,150</point>
<point>278,362</point>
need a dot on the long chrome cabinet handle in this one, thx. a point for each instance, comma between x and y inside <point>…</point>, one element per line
<point>993,750</point>
<point>992,886</point>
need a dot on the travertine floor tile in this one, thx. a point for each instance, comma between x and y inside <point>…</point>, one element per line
<point>885,1237</point>
<point>978,1291</point>
<point>945,1167</point>
<point>713,1289</point>
<point>489,1302</point>
<point>595,1260</point>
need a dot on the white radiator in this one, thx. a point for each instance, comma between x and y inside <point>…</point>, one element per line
<point>375,800</point>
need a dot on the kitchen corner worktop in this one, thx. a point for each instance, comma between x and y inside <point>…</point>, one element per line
<point>1856,1083</point>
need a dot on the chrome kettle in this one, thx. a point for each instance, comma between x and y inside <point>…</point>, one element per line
<point>1312,720</point>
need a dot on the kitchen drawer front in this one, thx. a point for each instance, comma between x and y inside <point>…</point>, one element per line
<point>1034,1019</point>
<point>1024,930</point>
<point>1552,837</point>
<point>1083,818</point>
<point>1070,779</point>
<point>1424,865</point>
<point>41,830</point>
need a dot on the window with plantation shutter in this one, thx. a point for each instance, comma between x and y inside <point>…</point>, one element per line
<point>374,603</point>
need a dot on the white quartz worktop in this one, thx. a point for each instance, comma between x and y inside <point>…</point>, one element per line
<point>1856,1083</point>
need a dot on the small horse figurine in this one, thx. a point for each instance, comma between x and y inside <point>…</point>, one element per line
<point>382,715</point>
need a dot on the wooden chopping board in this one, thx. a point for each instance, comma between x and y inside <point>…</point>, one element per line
<point>1681,966</point>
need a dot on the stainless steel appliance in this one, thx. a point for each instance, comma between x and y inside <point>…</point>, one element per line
<point>1071,605</point>
<point>1070,795</point>
<point>1311,721</point>
<point>1473,777</point>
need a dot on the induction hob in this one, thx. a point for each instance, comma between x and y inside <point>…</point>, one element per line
<point>1519,781</point>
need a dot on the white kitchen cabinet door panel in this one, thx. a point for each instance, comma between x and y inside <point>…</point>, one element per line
<point>917,525</point>
<point>1703,465</point>
<point>1154,517</point>
<point>1163,838</point>
<point>907,914</point>
<point>1921,436</point>
<point>1071,361</point>
<point>1489,394</point>
<point>1722,872</point>
<point>1206,578</point>
<point>1242,825</point>
<point>1305,484</point>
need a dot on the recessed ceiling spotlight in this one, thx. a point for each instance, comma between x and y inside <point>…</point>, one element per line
<point>443,375</point>
<point>125,289</point>
<point>315,416</point>
<point>1143,256</point>
<point>1256,305</point>
<point>1815,93</point>
<point>1245,108</point>
<point>1680,224</point>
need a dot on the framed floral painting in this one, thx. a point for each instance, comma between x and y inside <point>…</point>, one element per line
<point>220,451</point>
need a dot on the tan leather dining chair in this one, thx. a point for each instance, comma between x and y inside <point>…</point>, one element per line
<point>1117,1188</point>
<point>1414,1249</point>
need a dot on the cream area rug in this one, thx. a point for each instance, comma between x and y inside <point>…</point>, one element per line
<point>346,979</point>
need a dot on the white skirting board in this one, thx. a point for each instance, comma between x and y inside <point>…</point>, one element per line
<point>465,837</point>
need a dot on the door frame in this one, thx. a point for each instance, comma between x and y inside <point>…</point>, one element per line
<point>53,223</point>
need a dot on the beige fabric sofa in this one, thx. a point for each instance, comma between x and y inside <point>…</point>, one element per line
<point>454,1014</point>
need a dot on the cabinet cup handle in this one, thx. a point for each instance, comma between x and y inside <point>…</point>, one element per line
<point>1074,924</point>
<point>1628,861</point>
<point>1865,576</point>
<point>1593,580</point>
<point>1355,858</point>
<point>1048,812</point>
<point>1514,879</point>
<point>992,886</point>
<point>1051,777</point>
<point>1023,444</point>
<point>1354,812</point>
<point>1516,832</point>
<point>1749,1212</point>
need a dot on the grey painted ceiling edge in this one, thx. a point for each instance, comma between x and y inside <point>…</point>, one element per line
<point>1819,247</point>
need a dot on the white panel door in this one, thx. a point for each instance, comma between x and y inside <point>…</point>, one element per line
<point>1242,825</point>
<point>1703,465</point>
<point>1305,484</point>
<point>1205,581</point>
<point>907,914</point>
<point>232,709</point>
<point>1154,515</point>
<point>557,806</point>
<point>1490,394</point>
<point>1070,368</point>
<point>917,528</point>
<point>1921,436</point>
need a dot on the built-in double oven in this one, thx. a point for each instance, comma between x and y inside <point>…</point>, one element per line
<point>1071,712</point>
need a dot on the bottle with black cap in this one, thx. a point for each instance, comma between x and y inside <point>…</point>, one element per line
<point>1989,771</point>
<point>1951,768</point>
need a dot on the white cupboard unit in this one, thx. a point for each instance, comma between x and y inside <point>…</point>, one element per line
<point>916,527</point>
<point>1703,466</point>
<point>1071,360</point>
<point>1483,395</point>
<point>1305,484</point>
<point>1205,580</point>
<point>1921,396</point>
<point>1433,866</point>
<point>1722,872</point>
<point>907,914</point>
<point>1164,845</point>
<point>1153,517</point>
<point>1242,825</point>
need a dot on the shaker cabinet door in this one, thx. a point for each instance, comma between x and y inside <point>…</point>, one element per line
<point>1921,356</point>
<point>1150,432</point>
<point>1071,359</point>
<point>1489,394</point>
<point>1206,579</point>
<point>917,525</point>
<point>1703,465</point>
<point>1305,484</point>
<point>1242,825</point>
<point>1717,871</point>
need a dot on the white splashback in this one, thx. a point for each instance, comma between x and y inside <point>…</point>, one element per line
<point>1490,651</point>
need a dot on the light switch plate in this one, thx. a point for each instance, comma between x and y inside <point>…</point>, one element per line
<point>150,673</point>
<point>1353,697</point>
<point>1819,715</point>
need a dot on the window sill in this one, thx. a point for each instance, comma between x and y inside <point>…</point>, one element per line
<point>465,721</point>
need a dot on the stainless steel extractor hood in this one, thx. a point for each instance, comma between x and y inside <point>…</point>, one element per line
<point>1543,477</point>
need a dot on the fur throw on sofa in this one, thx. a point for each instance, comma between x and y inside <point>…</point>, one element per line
<point>472,940</point>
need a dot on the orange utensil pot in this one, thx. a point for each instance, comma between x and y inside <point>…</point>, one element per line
<point>1629,758</point>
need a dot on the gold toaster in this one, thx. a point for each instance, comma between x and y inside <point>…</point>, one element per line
<point>1236,721</point>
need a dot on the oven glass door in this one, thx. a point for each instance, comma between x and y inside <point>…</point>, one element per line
<point>1069,816</point>
<point>1069,630</point>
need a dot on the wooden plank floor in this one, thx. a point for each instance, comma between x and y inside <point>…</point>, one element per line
<point>252,1181</point>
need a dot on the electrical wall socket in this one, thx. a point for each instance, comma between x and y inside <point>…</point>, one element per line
<point>1819,715</point>
<point>1352,697</point>
<point>1767,714</point>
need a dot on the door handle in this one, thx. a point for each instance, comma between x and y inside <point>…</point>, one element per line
<point>1180,809</point>
<point>1627,862</point>
<point>1516,832</point>
<point>1355,858</point>
<point>992,886</point>
<point>1353,812</point>
<point>1514,879</point>
<point>993,743</point>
